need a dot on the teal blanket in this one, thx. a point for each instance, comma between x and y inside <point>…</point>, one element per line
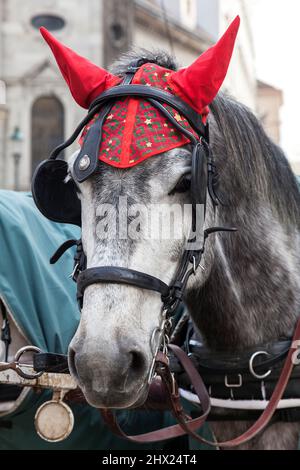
<point>42,301</point>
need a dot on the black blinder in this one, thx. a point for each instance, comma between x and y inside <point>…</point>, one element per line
<point>55,198</point>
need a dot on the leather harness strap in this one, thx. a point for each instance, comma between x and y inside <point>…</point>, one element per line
<point>267,414</point>
<point>189,426</point>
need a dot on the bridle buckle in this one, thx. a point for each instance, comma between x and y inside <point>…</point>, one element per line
<point>74,272</point>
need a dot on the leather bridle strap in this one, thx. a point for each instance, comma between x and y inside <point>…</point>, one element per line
<point>120,275</point>
<point>146,93</point>
<point>174,401</point>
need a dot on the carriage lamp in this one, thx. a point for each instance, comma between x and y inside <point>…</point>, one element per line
<point>16,139</point>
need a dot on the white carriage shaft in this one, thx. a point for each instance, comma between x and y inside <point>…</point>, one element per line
<point>53,381</point>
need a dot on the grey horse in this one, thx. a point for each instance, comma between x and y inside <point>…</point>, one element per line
<point>249,290</point>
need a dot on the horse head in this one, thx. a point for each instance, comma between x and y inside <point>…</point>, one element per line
<point>149,168</point>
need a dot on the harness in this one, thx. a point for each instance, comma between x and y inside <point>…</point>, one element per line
<point>58,201</point>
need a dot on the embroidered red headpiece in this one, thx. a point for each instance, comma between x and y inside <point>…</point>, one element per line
<point>135,130</point>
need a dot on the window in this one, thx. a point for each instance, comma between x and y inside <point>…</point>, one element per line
<point>2,93</point>
<point>189,13</point>
<point>47,128</point>
<point>51,22</point>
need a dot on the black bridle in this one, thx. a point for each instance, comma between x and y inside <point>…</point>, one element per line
<point>86,164</point>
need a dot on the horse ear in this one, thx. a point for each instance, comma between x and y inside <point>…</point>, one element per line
<point>85,79</point>
<point>199,83</point>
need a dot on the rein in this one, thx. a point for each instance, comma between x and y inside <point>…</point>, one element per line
<point>190,426</point>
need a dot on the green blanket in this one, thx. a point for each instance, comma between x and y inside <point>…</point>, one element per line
<point>42,301</point>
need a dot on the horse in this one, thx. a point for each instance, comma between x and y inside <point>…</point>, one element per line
<point>247,292</point>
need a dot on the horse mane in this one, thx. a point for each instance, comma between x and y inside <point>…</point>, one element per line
<point>258,167</point>
<point>250,164</point>
<point>159,57</point>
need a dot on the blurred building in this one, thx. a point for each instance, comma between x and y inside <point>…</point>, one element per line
<point>269,103</point>
<point>39,109</point>
<point>296,167</point>
<point>241,79</point>
<point>194,25</point>
<point>39,112</point>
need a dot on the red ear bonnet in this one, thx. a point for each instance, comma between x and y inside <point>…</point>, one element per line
<point>135,130</point>
<point>85,79</point>
<point>199,83</point>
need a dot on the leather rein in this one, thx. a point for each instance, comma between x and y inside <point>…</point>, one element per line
<point>189,426</point>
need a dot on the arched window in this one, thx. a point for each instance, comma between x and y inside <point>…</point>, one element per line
<point>47,128</point>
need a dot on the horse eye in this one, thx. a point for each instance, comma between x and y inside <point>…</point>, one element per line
<point>182,185</point>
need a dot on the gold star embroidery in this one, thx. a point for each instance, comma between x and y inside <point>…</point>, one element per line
<point>149,144</point>
<point>156,74</point>
<point>167,74</point>
<point>148,84</point>
<point>148,121</point>
<point>131,161</point>
<point>108,149</point>
<point>165,125</point>
<point>110,116</point>
<point>178,117</point>
<point>110,142</point>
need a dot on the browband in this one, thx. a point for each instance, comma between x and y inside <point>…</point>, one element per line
<point>145,92</point>
<point>141,91</point>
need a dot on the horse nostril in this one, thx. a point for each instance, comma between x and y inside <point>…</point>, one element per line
<point>138,363</point>
<point>72,362</point>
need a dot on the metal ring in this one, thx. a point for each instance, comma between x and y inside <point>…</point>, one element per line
<point>17,358</point>
<point>153,344</point>
<point>194,265</point>
<point>257,376</point>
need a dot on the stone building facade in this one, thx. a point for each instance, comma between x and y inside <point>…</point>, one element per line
<point>33,83</point>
